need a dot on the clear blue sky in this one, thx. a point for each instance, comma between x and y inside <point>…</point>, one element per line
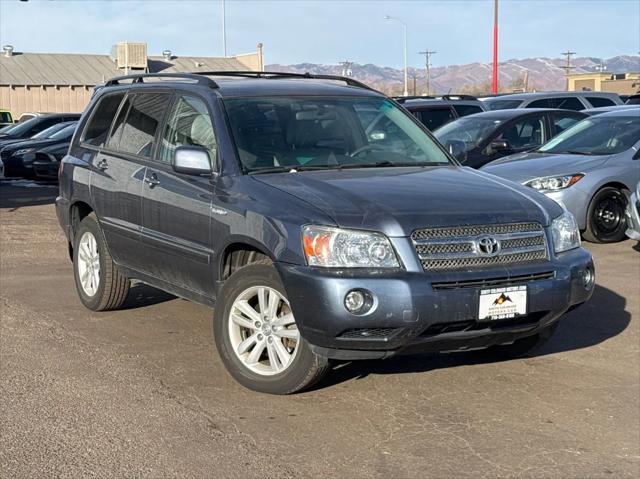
<point>329,31</point>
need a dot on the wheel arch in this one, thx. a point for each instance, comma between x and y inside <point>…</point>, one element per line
<point>77,212</point>
<point>238,253</point>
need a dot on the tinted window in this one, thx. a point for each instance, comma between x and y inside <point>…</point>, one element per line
<point>597,102</point>
<point>470,130</point>
<point>542,103</point>
<point>65,133</point>
<point>5,117</point>
<point>498,104</point>
<point>527,133</point>
<point>562,122</point>
<point>436,117</point>
<point>464,110</point>
<point>189,124</point>
<point>48,132</point>
<point>137,133</point>
<point>567,103</point>
<point>98,127</point>
<point>118,124</point>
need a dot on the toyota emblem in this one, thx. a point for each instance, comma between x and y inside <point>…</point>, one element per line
<point>488,246</point>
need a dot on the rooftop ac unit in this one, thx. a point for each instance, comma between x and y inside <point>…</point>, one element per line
<point>130,55</point>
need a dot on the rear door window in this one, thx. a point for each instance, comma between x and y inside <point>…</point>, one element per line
<point>436,117</point>
<point>136,134</point>
<point>464,110</point>
<point>597,102</point>
<point>541,103</point>
<point>98,126</point>
<point>567,103</point>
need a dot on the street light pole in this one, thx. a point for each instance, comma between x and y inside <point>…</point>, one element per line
<point>406,71</point>
<point>494,83</point>
<point>224,31</point>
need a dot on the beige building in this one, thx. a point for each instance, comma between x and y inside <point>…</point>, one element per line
<point>620,83</point>
<point>54,82</point>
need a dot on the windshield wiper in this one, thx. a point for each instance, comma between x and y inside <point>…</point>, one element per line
<point>289,169</point>
<point>575,152</point>
<point>388,164</point>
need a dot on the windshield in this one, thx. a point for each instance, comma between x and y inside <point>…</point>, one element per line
<point>284,133</point>
<point>49,132</point>
<point>470,130</point>
<point>597,136</point>
<point>20,129</point>
<point>64,133</point>
<point>504,104</point>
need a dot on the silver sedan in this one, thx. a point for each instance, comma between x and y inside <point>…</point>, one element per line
<point>590,169</point>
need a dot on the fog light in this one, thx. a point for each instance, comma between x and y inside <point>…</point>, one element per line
<point>588,279</point>
<point>358,301</point>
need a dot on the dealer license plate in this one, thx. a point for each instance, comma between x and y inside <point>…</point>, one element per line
<point>502,303</point>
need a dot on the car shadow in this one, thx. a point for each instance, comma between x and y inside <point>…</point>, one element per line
<point>601,318</point>
<point>16,194</point>
<point>142,295</point>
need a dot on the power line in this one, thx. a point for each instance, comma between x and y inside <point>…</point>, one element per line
<point>427,63</point>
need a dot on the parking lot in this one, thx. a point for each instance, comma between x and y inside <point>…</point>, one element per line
<point>142,392</point>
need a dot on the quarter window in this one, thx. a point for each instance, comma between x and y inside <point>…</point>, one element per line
<point>189,124</point>
<point>98,127</point>
<point>598,102</point>
<point>464,110</point>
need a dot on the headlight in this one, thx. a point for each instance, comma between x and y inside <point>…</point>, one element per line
<point>24,151</point>
<point>554,183</point>
<point>339,248</point>
<point>565,233</point>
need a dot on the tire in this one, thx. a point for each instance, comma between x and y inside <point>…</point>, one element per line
<point>112,287</point>
<point>241,333</point>
<point>606,220</point>
<point>522,347</point>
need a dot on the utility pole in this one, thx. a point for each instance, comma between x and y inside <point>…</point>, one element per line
<point>224,31</point>
<point>346,68</point>
<point>494,83</point>
<point>427,63</point>
<point>414,78</point>
<point>567,68</point>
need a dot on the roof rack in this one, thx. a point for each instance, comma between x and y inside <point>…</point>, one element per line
<point>202,78</point>
<point>458,97</point>
<point>402,99</point>
<point>278,75</point>
<point>139,78</point>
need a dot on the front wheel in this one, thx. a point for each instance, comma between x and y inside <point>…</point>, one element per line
<point>606,220</point>
<point>257,336</point>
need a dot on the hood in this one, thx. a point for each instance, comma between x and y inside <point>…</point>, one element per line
<point>397,201</point>
<point>22,144</point>
<point>10,141</point>
<point>527,166</point>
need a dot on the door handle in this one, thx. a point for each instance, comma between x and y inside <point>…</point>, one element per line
<point>103,164</point>
<point>152,180</point>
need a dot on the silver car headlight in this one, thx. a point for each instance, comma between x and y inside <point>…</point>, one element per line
<point>565,233</point>
<point>554,183</point>
<point>340,248</point>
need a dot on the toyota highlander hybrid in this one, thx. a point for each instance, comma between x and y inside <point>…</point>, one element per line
<point>320,218</point>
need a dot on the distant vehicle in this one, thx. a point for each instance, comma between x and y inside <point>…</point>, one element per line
<point>478,139</point>
<point>29,115</point>
<point>607,109</point>
<point>565,100</point>
<point>633,215</point>
<point>5,118</point>
<point>433,112</point>
<point>633,99</point>
<point>29,128</point>
<point>590,169</point>
<point>18,157</point>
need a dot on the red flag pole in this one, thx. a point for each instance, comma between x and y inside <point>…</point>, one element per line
<point>494,84</point>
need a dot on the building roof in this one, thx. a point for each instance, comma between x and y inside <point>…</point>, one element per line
<point>80,69</point>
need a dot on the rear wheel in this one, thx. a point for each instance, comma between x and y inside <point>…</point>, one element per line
<point>257,336</point>
<point>100,285</point>
<point>606,220</point>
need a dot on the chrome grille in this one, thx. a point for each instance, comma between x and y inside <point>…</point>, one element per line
<point>459,248</point>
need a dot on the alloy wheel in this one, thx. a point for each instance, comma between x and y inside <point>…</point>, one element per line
<point>89,264</point>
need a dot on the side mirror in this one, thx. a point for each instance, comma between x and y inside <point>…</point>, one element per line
<point>192,160</point>
<point>499,145</point>
<point>456,148</point>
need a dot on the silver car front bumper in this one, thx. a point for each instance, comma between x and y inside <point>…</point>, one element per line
<point>633,217</point>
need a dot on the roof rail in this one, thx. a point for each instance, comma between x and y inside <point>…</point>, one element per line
<point>278,75</point>
<point>402,99</point>
<point>140,77</point>
<point>458,97</point>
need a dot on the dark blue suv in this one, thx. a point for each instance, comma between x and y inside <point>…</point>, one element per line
<point>320,218</point>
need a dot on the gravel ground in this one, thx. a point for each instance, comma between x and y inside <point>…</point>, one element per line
<point>141,392</point>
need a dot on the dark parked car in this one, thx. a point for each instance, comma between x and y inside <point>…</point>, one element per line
<point>29,128</point>
<point>478,139</point>
<point>322,220</point>
<point>19,157</point>
<point>565,100</point>
<point>434,112</point>
<point>633,99</point>
<point>607,109</point>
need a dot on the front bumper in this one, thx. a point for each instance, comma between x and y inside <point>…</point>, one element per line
<point>427,312</point>
<point>633,218</point>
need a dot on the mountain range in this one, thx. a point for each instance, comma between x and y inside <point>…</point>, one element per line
<point>474,78</point>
